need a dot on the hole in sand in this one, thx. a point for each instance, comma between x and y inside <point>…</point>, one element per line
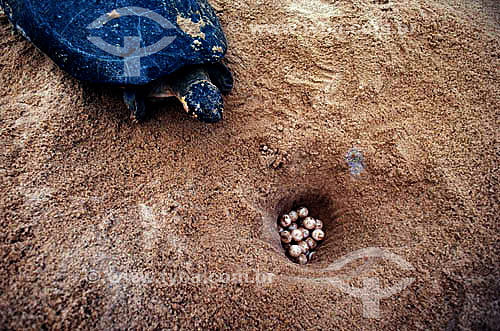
<point>301,234</point>
<point>320,206</point>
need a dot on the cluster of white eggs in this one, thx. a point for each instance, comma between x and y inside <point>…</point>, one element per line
<point>300,234</point>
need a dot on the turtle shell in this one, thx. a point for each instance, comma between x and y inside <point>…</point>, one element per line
<point>123,42</point>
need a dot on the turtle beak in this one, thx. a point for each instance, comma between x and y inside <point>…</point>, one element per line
<point>206,104</point>
<point>213,115</point>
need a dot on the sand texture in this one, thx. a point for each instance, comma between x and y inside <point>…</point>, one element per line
<point>100,215</point>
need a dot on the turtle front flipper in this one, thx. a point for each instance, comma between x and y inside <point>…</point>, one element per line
<point>198,95</point>
<point>135,103</point>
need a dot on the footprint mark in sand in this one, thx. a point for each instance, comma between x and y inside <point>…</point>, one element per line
<point>313,9</point>
<point>150,226</point>
<point>153,228</point>
<point>324,82</point>
<point>330,86</point>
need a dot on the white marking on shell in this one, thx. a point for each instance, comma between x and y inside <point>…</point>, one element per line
<point>217,49</point>
<point>191,28</point>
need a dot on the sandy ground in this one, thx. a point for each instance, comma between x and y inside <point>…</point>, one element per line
<point>100,217</point>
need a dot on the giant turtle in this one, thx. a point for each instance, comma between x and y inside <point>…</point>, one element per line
<point>151,48</point>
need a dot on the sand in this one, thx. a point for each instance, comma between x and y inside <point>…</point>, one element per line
<point>101,217</point>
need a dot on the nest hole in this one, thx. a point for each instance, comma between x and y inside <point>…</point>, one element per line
<point>321,205</point>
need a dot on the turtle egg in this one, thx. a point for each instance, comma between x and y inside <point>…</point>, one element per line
<point>319,224</point>
<point>285,221</point>
<point>303,212</point>
<point>286,237</point>
<point>302,259</point>
<point>318,235</point>
<point>297,235</point>
<point>300,235</point>
<point>305,232</point>
<point>304,246</point>
<point>311,243</point>
<point>309,223</point>
<point>295,250</point>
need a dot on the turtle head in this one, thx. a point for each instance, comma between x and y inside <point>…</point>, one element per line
<point>203,101</point>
